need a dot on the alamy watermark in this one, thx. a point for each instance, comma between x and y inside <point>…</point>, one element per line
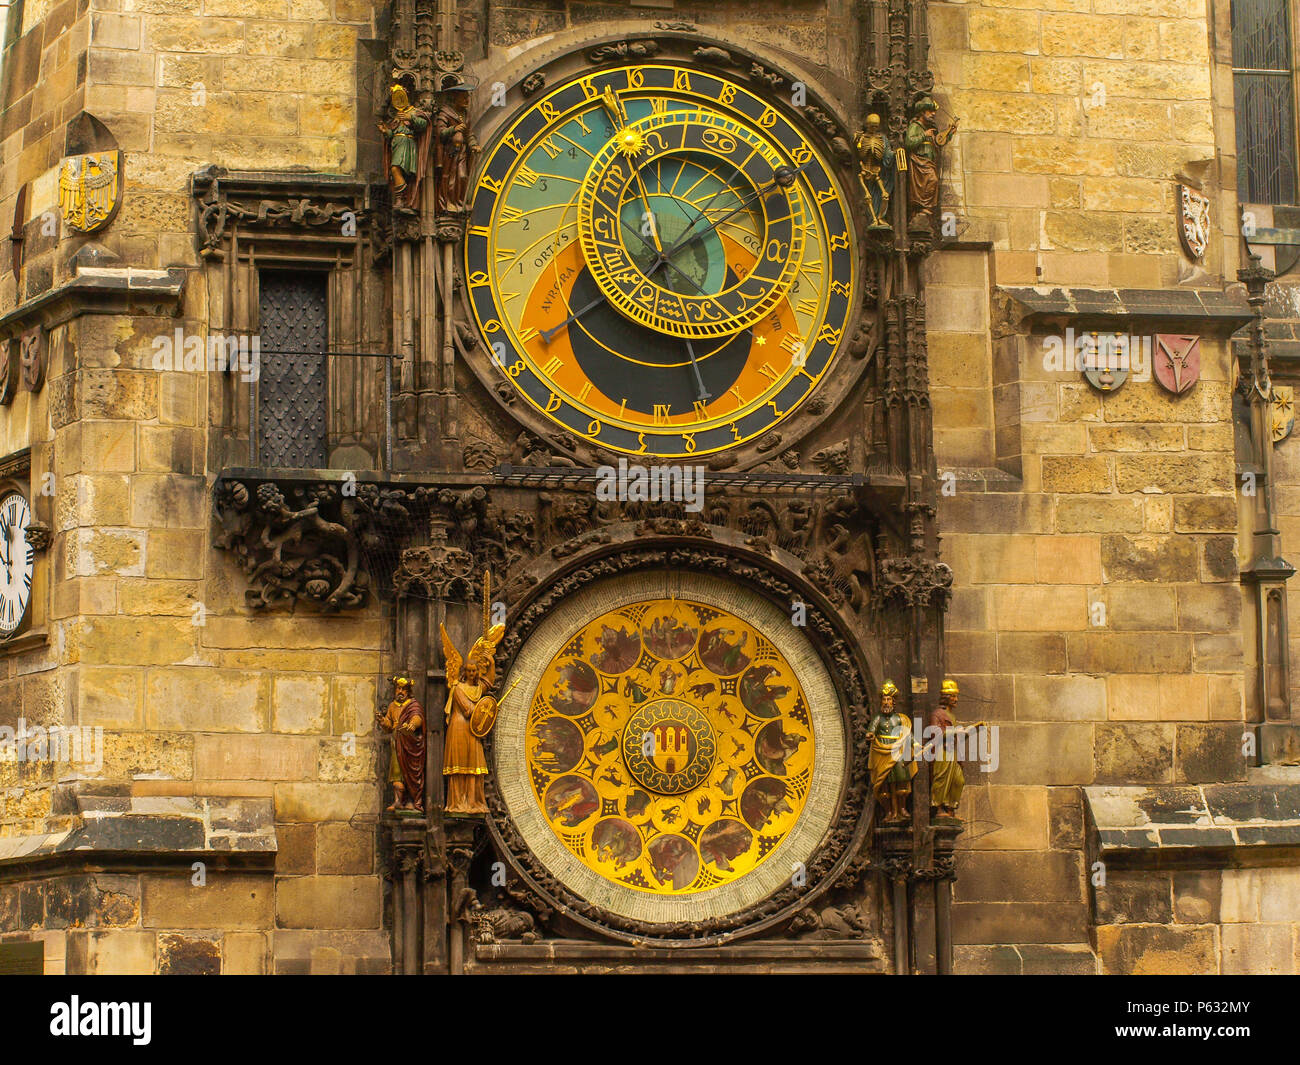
<point>78,745</point>
<point>1098,351</point>
<point>957,744</point>
<point>631,483</point>
<point>196,354</point>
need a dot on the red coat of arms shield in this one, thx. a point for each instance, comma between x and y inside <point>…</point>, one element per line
<point>1176,361</point>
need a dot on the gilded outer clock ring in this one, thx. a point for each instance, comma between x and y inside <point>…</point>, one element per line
<point>820,804</point>
<point>500,240</point>
<point>689,315</point>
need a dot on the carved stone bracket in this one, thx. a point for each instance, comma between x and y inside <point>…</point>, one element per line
<point>38,535</point>
<point>909,582</point>
<point>331,544</point>
<point>285,204</point>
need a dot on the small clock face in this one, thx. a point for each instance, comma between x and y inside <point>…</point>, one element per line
<point>659,260</point>
<point>16,561</point>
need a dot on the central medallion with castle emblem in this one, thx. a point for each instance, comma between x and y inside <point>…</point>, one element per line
<point>669,746</point>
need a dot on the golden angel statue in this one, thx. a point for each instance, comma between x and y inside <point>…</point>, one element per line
<point>471,712</point>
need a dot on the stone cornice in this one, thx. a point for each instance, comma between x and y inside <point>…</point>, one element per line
<point>1207,312</point>
<point>100,290</point>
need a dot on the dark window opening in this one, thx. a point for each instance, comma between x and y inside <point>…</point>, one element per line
<point>1265,102</point>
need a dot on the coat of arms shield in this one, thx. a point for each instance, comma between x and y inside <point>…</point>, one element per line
<point>1176,361</point>
<point>90,190</point>
<point>1193,222</point>
<point>1282,412</point>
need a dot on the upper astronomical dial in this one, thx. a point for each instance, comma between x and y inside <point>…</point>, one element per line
<point>681,267</point>
<point>659,260</point>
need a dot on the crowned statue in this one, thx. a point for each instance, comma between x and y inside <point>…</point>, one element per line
<point>948,779</point>
<point>404,718</point>
<point>892,758</point>
<point>471,712</point>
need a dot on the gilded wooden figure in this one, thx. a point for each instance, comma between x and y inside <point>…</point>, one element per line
<point>404,718</point>
<point>457,149</point>
<point>892,760</point>
<point>405,147</point>
<point>470,714</point>
<point>922,142</point>
<point>948,779</point>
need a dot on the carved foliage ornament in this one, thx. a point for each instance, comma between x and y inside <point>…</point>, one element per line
<point>218,209</point>
<point>32,359</point>
<point>9,372</point>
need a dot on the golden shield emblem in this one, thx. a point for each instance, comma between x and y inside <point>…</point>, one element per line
<point>483,717</point>
<point>90,190</point>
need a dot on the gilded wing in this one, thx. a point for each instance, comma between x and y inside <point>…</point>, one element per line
<point>67,187</point>
<point>451,658</point>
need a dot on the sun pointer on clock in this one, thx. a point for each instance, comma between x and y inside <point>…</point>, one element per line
<point>631,142</point>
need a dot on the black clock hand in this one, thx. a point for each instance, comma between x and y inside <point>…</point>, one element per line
<point>784,177</point>
<point>705,395</point>
<point>660,261</point>
<point>549,334</point>
<point>724,187</point>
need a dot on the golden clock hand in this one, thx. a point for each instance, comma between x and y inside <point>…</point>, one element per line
<point>614,105</point>
<point>649,212</point>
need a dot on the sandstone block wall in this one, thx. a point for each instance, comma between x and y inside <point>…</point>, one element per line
<point>1097,617</point>
<point>149,636</point>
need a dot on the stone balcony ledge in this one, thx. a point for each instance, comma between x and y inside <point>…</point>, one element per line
<point>1206,311</point>
<point>111,824</point>
<point>1147,823</point>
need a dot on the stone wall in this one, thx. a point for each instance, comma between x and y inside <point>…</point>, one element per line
<point>149,637</point>
<point>1097,618</point>
<point>1076,117</point>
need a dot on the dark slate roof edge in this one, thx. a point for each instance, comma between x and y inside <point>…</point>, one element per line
<point>1214,831</point>
<point>1210,310</point>
<point>103,832</point>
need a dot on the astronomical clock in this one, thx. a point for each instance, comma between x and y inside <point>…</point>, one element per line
<point>658,512</point>
<point>661,260</point>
